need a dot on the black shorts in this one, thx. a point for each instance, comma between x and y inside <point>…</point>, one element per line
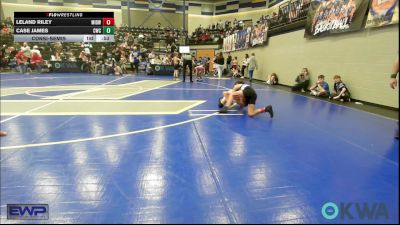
<point>250,96</point>
<point>176,66</point>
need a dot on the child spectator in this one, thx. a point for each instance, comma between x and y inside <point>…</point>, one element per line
<point>342,92</point>
<point>321,88</point>
<point>199,71</point>
<point>302,81</point>
<point>176,62</point>
<point>273,79</point>
<point>235,67</point>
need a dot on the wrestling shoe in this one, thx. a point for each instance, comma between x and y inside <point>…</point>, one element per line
<point>224,110</point>
<point>269,110</point>
<point>220,105</point>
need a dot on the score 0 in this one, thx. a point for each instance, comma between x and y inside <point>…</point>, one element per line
<point>108,21</point>
<point>108,25</point>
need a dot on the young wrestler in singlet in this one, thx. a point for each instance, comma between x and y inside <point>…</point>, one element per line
<point>244,95</point>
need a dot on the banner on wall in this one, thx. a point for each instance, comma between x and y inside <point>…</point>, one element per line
<point>237,41</point>
<point>259,34</point>
<point>248,36</point>
<point>382,13</point>
<point>241,40</point>
<point>229,43</point>
<point>335,16</point>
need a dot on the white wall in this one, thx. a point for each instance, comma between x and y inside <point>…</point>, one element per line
<point>363,59</point>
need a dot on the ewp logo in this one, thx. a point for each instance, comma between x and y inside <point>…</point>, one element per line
<point>331,211</point>
<point>27,212</point>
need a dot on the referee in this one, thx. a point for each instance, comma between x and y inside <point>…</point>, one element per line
<point>187,61</point>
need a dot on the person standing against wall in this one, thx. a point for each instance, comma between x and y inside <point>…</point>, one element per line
<point>393,82</point>
<point>252,66</point>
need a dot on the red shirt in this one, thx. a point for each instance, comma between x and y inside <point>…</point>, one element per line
<point>36,58</point>
<point>21,57</point>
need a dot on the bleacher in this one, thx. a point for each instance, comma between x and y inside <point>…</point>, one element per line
<point>150,38</point>
<point>156,42</point>
<point>210,36</point>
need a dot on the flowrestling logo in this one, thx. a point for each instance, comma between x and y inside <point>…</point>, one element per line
<point>354,210</point>
<point>27,212</point>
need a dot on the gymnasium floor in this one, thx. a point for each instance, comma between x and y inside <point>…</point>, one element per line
<point>145,149</point>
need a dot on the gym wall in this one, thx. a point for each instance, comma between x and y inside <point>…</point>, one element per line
<point>151,19</point>
<point>196,20</point>
<point>363,58</point>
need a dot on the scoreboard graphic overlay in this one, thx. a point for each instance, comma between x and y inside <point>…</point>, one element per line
<point>63,26</point>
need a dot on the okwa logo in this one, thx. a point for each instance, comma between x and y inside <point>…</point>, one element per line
<point>353,210</point>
